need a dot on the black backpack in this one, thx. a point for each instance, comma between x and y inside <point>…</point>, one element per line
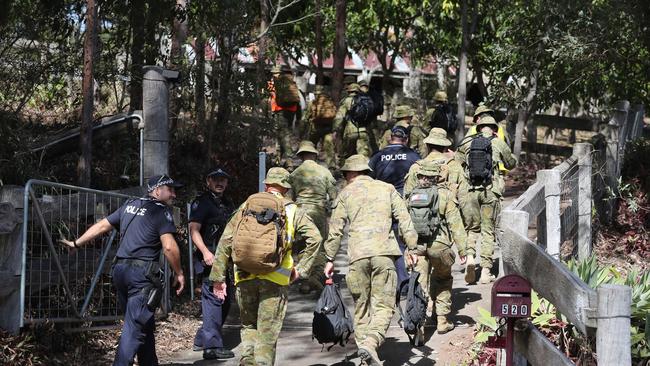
<point>415,313</point>
<point>378,101</point>
<point>332,321</point>
<point>479,161</point>
<point>443,118</point>
<point>362,110</point>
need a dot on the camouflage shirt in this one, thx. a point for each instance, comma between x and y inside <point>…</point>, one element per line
<point>501,155</point>
<point>451,167</point>
<point>304,229</point>
<point>312,184</point>
<point>416,137</point>
<point>369,207</point>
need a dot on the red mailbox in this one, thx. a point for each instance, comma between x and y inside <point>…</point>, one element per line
<point>511,297</point>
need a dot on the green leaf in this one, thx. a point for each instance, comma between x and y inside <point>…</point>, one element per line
<point>486,318</point>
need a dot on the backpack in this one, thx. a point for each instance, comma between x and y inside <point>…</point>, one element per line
<point>414,314</point>
<point>423,207</point>
<point>362,110</point>
<point>479,161</point>
<point>378,101</point>
<point>443,118</point>
<point>332,321</point>
<point>286,92</point>
<point>324,110</point>
<point>258,240</point>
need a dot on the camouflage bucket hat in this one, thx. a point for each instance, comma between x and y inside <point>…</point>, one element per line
<point>276,69</point>
<point>278,176</point>
<point>487,120</point>
<point>440,96</point>
<point>356,163</point>
<point>482,109</point>
<point>307,147</point>
<point>437,136</point>
<point>403,111</point>
<point>429,169</point>
<point>354,87</point>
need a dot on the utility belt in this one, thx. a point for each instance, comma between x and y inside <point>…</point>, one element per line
<point>153,272</point>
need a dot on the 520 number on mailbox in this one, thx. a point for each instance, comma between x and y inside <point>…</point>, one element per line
<point>514,310</point>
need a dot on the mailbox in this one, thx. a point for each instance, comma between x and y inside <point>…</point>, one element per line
<point>511,297</point>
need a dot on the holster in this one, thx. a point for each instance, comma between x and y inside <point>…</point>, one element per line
<point>154,291</point>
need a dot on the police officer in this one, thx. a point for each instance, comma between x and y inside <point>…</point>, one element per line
<point>368,207</point>
<point>209,214</point>
<point>146,227</point>
<point>262,298</point>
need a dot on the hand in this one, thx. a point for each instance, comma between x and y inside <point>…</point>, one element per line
<point>294,275</point>
<point>208,258</point>
<point>67,243</point>
<point>219,290</point>
<point>411,259</point>
<point>329,269</point>
<point>180,282</point>
<point>463,259</point>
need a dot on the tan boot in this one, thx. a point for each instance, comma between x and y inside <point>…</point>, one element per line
<point>470,270</point>
<point>486,276</point>
<point>369,355</point>
<point>444,325</point>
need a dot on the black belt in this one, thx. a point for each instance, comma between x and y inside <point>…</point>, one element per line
<point>135,262</point>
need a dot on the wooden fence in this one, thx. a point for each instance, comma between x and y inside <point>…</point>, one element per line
<point>560,203</point>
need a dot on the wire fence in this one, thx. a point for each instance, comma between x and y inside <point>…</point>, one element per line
<point>569,188</point>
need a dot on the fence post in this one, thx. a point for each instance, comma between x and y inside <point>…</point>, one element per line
<point>583,152</point>
<point>615,138</point>
<point>613,333</point>
<point>261,171</point>
<point>551,179</point>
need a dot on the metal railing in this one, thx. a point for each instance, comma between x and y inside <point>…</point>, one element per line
<point>62,285</point>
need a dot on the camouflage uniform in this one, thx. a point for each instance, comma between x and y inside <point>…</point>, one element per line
<point>312,185</point>
<point>369,207</point>
<point>480,205</point>
<point>439,255</point>
<point>320,133</point>
<point>355,140</point>
<point>284,118</point>
<point>263,302</point>
<point>417,133</point>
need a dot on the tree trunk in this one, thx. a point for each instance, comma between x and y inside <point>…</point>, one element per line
<point>262,47</point>
<point>340,50</point>
<point>179,30</point>
<point>84,166</point>
<point>199,83</point>
<point>462,73</point>
<point>151,47</point>
<point>225,78</point>
<point>320,75</point>
<point>527,107</point>
<point>480,81</point>
<point>137,56</point>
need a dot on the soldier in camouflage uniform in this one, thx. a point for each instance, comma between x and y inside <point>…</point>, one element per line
<point>313,187</point>
<point>320,132</point>
<point>438,255</point>
<point>284,116</point>
<point>480,205</point>
<point>263,298</point>
<point>403,117</point>
<point>369,207</point>
<point>355,139</point>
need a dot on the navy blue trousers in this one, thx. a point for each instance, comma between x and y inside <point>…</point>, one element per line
<point>214,313</point>
<point>139,322</point>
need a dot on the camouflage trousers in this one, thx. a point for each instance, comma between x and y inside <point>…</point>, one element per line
<point>323,135</point>
<point>283,122</point>
<point>319,216</point>
<point>263,305</point>
<point>480,209</point>
<point>372,283</point>
<point>435,276</point>
<point>356,141</point>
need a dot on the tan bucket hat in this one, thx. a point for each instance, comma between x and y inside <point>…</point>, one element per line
<point>278,176</point>
<point>403,111</point>
<point>437,136</point>
<point>306,147</point>
<point>356,163</point>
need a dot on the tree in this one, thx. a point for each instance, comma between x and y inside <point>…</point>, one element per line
<point>340,50</point>
<point>84,166</point>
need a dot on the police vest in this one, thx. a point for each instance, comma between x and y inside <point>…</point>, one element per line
<point>282,275</point>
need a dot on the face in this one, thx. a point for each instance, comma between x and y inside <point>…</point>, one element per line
<point>164,194</point>
<point>217,184</point>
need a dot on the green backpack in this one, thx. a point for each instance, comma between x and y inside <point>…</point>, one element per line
<point>422,204</point>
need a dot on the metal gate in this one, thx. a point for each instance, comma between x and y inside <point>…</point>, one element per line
<point>62,285</point>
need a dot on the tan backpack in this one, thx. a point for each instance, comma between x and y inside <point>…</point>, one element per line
<point>258,241</point>
<point>286,92</point>
<point>324,110</point>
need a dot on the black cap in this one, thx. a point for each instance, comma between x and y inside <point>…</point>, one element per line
<point>161,180</point>
<point>218,172</point>
<point>399,131</point>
